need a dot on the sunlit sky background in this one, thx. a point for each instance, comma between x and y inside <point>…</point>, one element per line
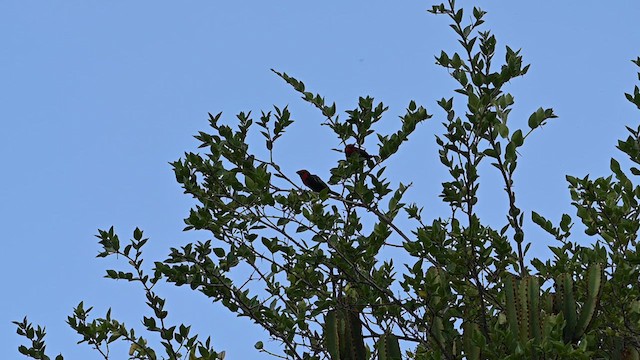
<point>96,97</point>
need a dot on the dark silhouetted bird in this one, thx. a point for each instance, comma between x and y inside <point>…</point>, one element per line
<point>314,182</point>
<point>351,150</point>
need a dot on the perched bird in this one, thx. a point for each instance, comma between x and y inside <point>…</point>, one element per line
<point>314,182</point>
<point>352,149</point>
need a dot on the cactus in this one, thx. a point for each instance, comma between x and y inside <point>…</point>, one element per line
<point>577,325</point>
<point>438,336</point>
<point>630,353</point>
<point>594,288</point>
<point>389,347</point>
<point>532,316</point>
<point>527,313</point>
<point>524,316</point>
<point>522,305</point>
<point>533,294</point>
<point>343,335</point>
<point>568,305</point>
<point>332,334</point>
<point>471,350</point>
<point>512,314</point>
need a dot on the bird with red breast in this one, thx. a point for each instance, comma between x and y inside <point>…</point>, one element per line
<point>314,182</point>
<point>353,150</point>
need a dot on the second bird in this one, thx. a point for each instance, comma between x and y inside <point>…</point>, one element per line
<point>351,150</point>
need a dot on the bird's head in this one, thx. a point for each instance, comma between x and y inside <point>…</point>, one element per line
<point>302,173</point>
<point>349,149</point>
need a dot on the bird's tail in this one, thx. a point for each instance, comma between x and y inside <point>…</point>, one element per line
<point>373,160</point>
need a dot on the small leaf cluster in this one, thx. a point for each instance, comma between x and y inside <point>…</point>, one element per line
<point>37,349</point>
<point>99,333</point>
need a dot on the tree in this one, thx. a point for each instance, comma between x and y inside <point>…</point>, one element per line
<point>322,278</point>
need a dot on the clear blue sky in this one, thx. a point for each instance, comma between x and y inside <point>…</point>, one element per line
<point>96,97</point>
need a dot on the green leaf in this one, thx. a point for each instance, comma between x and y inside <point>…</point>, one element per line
<point>517,138</point>
<point>534,120</point>
<point>219,252</point>
<point>565,222</point>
